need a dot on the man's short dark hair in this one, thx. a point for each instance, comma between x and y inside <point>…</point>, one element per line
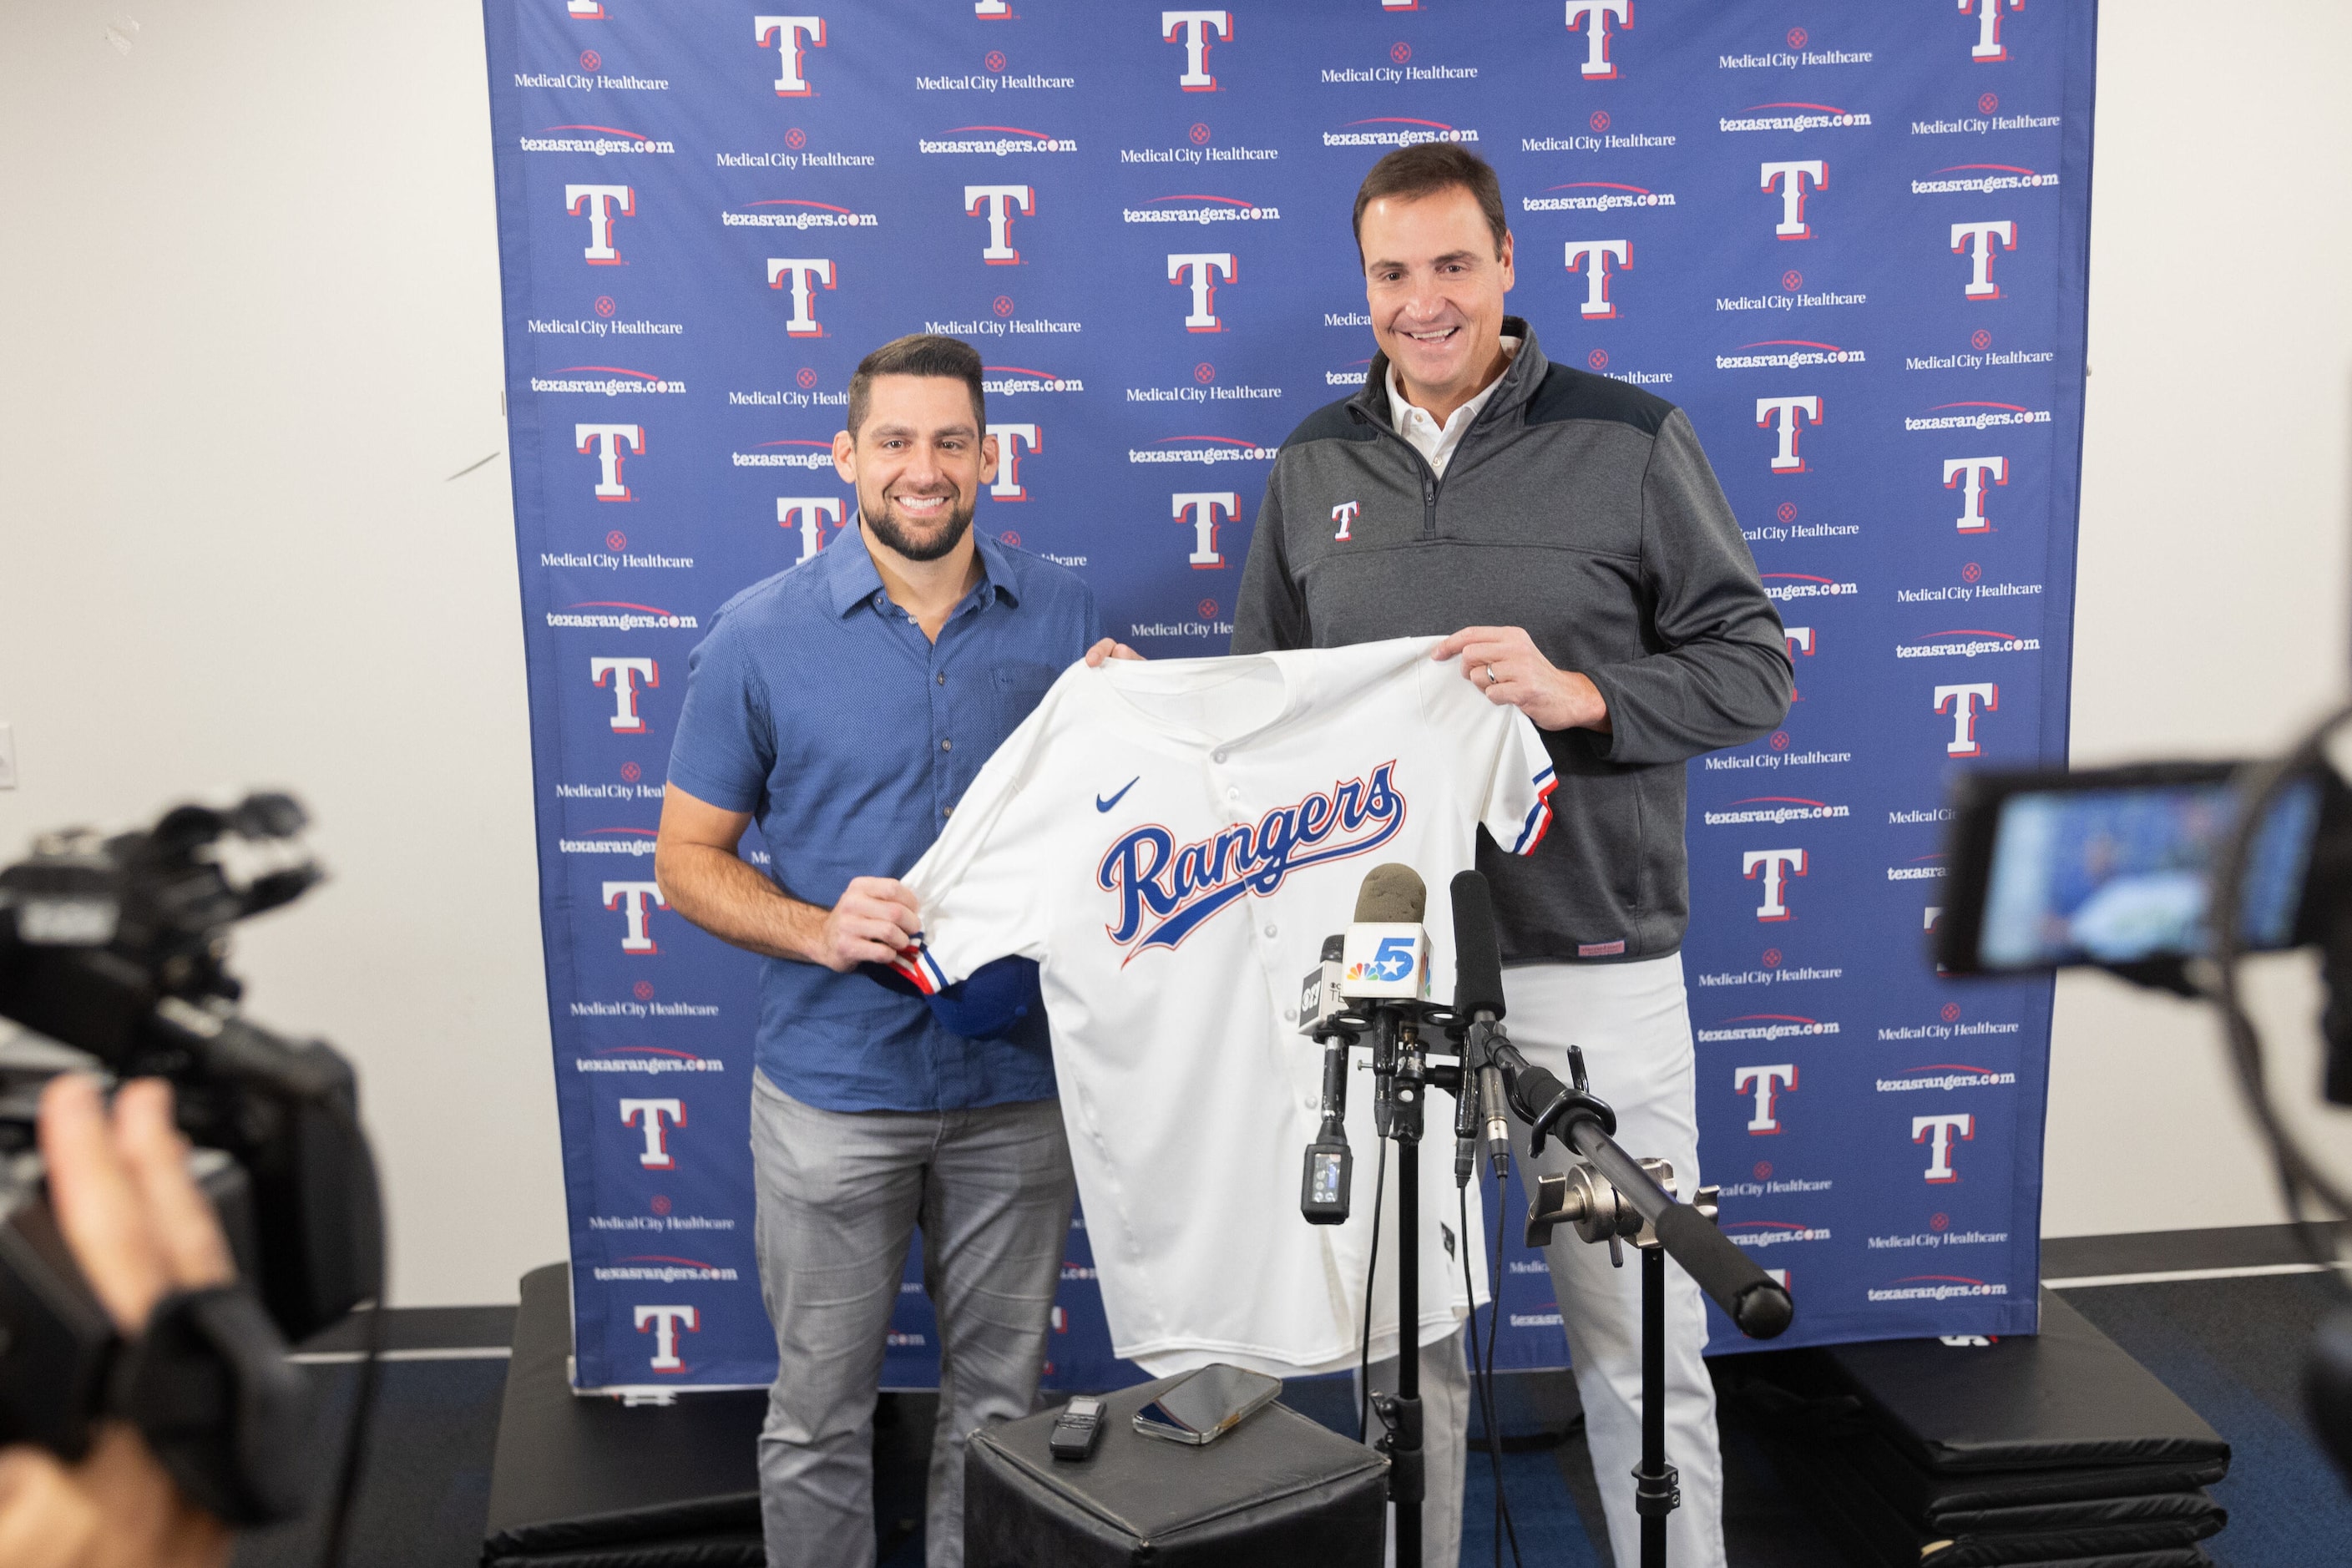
<point>918,353</point>
<point>1426,168</point>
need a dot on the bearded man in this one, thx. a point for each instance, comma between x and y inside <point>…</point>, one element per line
<point>846,704</point>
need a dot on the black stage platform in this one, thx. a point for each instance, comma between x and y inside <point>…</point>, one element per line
<point>2229,1346</point>
<point>592,1483</point>
<point>588,1483</point>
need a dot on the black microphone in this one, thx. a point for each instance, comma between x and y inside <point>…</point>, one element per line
<point>1323,1188</point>
<point>1478,951</point>
<point>1319,1001</point>
<point>1479,997</point>
<point>1381,957</point>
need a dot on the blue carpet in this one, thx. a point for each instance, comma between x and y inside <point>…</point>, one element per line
<point>2235,1350</point>
<point>1551,1530</point>
<point>427,1485</point>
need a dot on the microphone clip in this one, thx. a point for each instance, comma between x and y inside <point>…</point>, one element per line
<point>1550,1107</point>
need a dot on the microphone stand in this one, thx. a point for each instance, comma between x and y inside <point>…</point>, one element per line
<point>1612,1197</point>
<point>1402,1075</point>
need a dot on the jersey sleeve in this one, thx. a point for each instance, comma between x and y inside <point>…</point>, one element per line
<point>1517,806</point>
<point>977,884</point>
<point>1508,771</point>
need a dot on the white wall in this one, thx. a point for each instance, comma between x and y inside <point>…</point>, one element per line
<point>255,326</point>
<point>2211,605</point>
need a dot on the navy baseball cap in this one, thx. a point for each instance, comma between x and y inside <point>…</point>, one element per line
<point>985,1005</point>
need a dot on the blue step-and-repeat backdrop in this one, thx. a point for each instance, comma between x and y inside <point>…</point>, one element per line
<point>1849,236</point>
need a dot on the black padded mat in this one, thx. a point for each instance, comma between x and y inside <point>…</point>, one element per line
<point>2086,1514</point>
<point>726,1550</point>
<point>1278,1489</point>
<point>591,1483</point>
<point>1924,1497</point>
<point>2066,1398</point>
<point>1873,1534</point>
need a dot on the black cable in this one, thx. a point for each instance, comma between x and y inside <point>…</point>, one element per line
<point>2260,785</point>
<point>331,1551</point>
<point>1371,1272</point>
<point>1482,1374</point>
<point>1494,1322</point>
<point>339,1517</point>
<point>1478,1389</point>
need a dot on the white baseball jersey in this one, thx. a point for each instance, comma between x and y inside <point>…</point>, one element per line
<point>1171,842</point>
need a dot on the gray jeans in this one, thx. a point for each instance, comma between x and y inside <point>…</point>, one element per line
<point>839,1194</point>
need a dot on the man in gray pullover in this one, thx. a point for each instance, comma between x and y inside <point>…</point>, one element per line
<point>1565,528</point>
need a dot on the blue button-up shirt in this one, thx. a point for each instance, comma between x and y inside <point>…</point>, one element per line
<point>819,705</point>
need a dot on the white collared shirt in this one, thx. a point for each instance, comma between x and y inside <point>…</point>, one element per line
<point>1432,441</point>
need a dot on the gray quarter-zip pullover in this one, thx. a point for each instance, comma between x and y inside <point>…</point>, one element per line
<point>1581,509</point>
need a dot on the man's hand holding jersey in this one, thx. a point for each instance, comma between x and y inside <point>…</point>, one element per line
<point>1504,663</point>
<point>1110,647</point>
<point>706,880</point>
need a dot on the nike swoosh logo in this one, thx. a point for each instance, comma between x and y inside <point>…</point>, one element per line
<point>1102,805</point>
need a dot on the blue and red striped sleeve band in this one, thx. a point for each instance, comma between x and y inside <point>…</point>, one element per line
<point>917,964</point>
<point>1538,817</point>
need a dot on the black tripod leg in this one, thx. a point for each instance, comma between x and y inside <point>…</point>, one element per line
<point>1655,1491</point>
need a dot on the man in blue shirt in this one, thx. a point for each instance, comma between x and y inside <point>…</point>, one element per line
<point>846,705</point>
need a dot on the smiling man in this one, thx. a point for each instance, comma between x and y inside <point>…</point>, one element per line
<point>1565,533</point>
<point>845,706</point>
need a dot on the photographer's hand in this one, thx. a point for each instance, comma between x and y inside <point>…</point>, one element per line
<point>140,1230</point>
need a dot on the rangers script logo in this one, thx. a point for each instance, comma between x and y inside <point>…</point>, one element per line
<point>1165,892</point>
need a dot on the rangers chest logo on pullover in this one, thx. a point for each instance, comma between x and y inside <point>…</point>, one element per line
<point>1171,842</point>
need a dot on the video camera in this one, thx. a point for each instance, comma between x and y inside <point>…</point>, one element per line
<point>2168,875</point>
<point>115,947</point>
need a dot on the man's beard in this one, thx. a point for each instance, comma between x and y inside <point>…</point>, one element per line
<point>892,531</point>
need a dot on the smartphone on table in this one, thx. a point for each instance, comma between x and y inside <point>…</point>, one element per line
<point>1204,1406</point>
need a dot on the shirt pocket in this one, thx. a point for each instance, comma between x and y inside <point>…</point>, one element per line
<point>1015,689</point>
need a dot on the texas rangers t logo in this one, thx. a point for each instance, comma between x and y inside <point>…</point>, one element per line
<point>1165,892</point>
<point>1345,515</point>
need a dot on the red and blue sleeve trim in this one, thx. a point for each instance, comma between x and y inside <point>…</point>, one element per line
<point>917,965</point>
<point>1538,817</point>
